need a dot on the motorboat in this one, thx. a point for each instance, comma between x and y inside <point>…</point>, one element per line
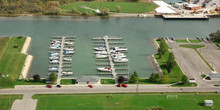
<point>54,53</point>
<point>115,56</point>
<point>101,52</point>
<point>54,61</point>
<point>120,60</point>
<point>53,69</point>
<point>107,69</point>
<point>101,56</point>
<point>54,58</point>
<point>66,73</point>
<point>117,49</point>
<point>55,47</point>
<point>68,43</point>
<point>99,48</point>
<point>69,48</point>
<point>67,59</point>
<point>68,52</point>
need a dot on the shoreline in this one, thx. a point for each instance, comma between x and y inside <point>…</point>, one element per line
<point>29,58</point>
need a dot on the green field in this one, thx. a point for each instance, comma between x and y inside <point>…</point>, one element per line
<point>6,101</point>
<point>181,41</point>
<point>125,101</point>
<point>67,81</point>
<point>195,47</point>
<point>107,81</point>
<point>195,41</point>
<point>12,60</point>
<point>176,74</point>
<point>126,7</point>
<point>185,85</point>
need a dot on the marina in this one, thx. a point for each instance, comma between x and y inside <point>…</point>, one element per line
<point>61,59</point>
<point>112,56</point>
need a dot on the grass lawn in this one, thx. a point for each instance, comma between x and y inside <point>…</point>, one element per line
<point>143,81</point>
<point>3,45</point>
<point>126,7</point>
<point>125,101</point>
<point>107,81</point>
<point>6,101</point>
<point>30,82</point>
<point>12,60</point>
<point>217,44</point>
<point>195,47</point>
<point>67,81</point>
<point>217,85</point>
<point>176,73</point>
<point>195,41</point>
<point>185,85</point>
<point>181,41</point>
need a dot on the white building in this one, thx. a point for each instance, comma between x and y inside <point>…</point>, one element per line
<point>87,80</point>
<point>208,103</point>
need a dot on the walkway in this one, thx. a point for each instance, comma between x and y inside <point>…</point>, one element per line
<point>61,61</point>
<point>27,103</point>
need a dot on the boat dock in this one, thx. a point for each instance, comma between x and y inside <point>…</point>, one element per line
<point>109,43</point>
<point>185,17</point>
<point>62,43</point>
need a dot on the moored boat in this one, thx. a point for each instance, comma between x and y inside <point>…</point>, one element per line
<point>101,56</point>
<point>107,69</point>
<point>120,60</point>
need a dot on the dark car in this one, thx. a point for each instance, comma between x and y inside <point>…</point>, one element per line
<point>124,85</point>
<point>59,86</point>
<point>119,85</point>
<point>49,86</point>
<point>90,86</point>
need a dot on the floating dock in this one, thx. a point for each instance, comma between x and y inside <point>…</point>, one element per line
<point>185,17</point>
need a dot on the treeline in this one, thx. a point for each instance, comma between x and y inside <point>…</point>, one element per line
<point>32,6</point>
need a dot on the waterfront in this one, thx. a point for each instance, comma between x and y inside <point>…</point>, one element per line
<point>136,32</point>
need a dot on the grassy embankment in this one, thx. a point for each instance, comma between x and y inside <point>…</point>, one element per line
<point>6,101</point>
<point>171,101</point>
<point>190,41</point>
<point>126,7</point>
<point>176,74</point>
<point>140,81</point>
<point>217,44</point>
<point>195,47</point>
<point>12,61</point>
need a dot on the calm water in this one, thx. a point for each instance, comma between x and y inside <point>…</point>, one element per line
<point>136,32</point>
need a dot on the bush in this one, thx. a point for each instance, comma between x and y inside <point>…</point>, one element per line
<point>121,79</point>
<point>36,78</point>
<point>75,11</point>
<point>118,8</point>
<point>105,12</point>
<point>85,13</point>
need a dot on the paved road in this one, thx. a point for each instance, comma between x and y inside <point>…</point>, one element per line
<point>27,103</point>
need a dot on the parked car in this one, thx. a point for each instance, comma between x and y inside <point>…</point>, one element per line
<point>124,85</point>
<point>119,85</point>
<point>59,86</point>
<point>49,86</point>
<point>90,86</point>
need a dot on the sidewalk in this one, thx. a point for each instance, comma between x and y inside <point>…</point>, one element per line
<point>27,103</point>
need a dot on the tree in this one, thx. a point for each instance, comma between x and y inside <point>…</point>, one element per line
<point>118,8</point>
<point>184,79</point>
<point>121,79</point>
<point>156,108</point>
<point>105,12</point>
<point>75,11</point>
<point>53,77</point>
<point>157,77</point>
<point>134,77</point>
<point>160,54</point>
<point>164,79</point>
<point>171,62</point>
<point>163,49</point>
<point>36,78</point>
<point>215,36</point>
<point>152,78</point>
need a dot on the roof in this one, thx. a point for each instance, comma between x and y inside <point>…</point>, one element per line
<point>214,75</point>
<point>192,5</point>
<point>164,7</point>
<point>87,79</point>
<point>208,101</point>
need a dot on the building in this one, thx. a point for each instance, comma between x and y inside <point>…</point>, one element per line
<point>208,103</point>
<point>87,80</point>
<point>193,7</point>
<point>214,76</point>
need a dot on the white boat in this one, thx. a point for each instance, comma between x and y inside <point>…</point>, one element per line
<point>68,52</point>
<point>54,61</point>
<point>115,56</point>
<point>120,60</point>
<point>101,52</point>
<point>54,53</point>
<point>117,49</point>
<point>69,48</point>
<point>55,44</point>
<point>108,69</point>
<point>55,47</point>
<point>67,59</point>
<point>67,73</point>
<point>99,48</point>
<point>53,69</point>
<point>101,56</point>
<point>68,43</point>
<point>54,58</point>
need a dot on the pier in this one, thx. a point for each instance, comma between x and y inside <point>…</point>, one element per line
<point>61,61</point>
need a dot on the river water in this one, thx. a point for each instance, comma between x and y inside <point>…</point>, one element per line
<point>136,32</point>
